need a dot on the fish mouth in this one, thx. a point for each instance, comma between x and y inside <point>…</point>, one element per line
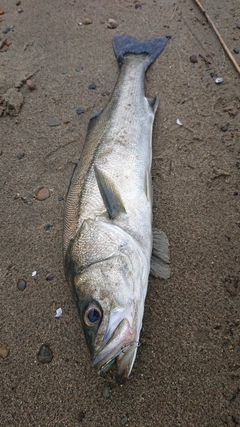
<point>121,348</point>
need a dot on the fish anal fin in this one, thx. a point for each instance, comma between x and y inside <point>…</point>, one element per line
<point>153,103</point>
<point>109,193</point>
<point>160,255</point>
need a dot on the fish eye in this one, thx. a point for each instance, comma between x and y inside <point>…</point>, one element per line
<point>92,315</point>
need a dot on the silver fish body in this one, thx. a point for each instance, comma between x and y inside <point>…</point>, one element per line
<point>108,234</point>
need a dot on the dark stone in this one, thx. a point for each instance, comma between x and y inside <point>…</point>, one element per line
<point>47,227</point>
<point>21,285</point>
<point>236,50</point>
<point>6,30</point>
<point>50,277</point>
<point>79,111</point>
<point>138,6</point>
<point>60,198</point>
<point>20,155</point>
<point>92,86</point>
<point>78,69</point>
<point>224,128</point>
<point>45,354</point>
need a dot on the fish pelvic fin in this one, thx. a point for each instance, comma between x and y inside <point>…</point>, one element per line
<point>109,193</point>
<point>160,255</point>
<point>124,44</point>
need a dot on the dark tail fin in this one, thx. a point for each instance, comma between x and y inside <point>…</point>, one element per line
<point>124,44</point>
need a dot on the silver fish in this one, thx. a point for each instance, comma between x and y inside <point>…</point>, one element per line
<point>109,244</point>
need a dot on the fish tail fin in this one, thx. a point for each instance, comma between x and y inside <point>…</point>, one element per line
<point>124,44</point>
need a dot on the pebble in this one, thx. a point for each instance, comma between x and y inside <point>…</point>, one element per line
<point>106,392</point>
<point>1,11</point>
<point>45,354</point>
<point>219,80</point>
<point>30,84</point>
<point>59,312</point>
<point>50,277</point>
<point>238,26</point>
<point>78,69</point>
<point>6,30</point>
<point>60,198</point>
<point>124,420</point>
<point>112,23</point>
<point>224,128</point>
<point>18,2</point>
<point>92,86</point>
<point>20,155</point>
<point>138,6</point>
<point>193,59</point>
<point>4,350</point>
<point>236,50</point>
<point>79,111</point>
<point>54,122</point>
<point>43,193</point>
<point>20,10</point>
<point>86,21</point>
<point>47,227</point>
<point>21,285</point>
<point>34,273</point>
<point>81,416</point>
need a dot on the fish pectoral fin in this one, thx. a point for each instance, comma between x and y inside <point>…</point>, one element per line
<point>109,193</point>
<point>160,255</point>
<point>154,103</point>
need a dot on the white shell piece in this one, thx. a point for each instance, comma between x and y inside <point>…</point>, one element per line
<point>179,122</point>
<point>219,80</point>
<point>34,273</point>
<point>58,312</point>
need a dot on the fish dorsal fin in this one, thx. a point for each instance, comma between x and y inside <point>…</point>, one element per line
<point>109,193</point>
<point>160,255</point>
<point>154,103</point>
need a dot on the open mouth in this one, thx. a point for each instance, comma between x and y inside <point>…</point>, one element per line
<point>120,348</point>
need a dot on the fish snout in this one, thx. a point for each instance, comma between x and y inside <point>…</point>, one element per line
<point>121,348</point>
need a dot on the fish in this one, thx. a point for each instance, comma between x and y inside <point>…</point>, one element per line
<point>109,244</point>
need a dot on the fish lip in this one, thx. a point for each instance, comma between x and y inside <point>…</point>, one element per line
<point>120,350</point>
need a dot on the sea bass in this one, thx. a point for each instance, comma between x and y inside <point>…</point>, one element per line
<point>109,244</point>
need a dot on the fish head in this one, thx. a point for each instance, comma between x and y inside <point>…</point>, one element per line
<point>111,309</point>
<point>109,274</point>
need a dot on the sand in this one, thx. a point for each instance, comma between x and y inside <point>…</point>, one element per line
<point>187,371</point>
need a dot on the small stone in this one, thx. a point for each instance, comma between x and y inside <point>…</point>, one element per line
<point>45,354</point>
<point>54,122</point>
<point>50,277</point>
<point>138,6</point>
<point>124,420</point>
<point>18,2</point>
<point>47,227</point>
<point>21,285</point>
<point>81,416</point>
<point>20,155</point>
<point>92,86</point>
<point>79,111</point>
<point>8,43</point>
<point>236,50</point>
<point>20,10</point>
<point>30,84</point>
<point>219,80</point>
<point>106,392</point>
<point>43,193</point>
<point>60,198</point>
<point>238,26</point>
<point>6,30</point>
<point>112,23</point>
<point>224,128</point>
<point>78,69</point>
<point>238,165</point>
<point>1,11</point>
<point>86,21</point>
<point>193,59</point>
<point>4,350</point>
<point>66,121</point>
<point>235,193</point>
